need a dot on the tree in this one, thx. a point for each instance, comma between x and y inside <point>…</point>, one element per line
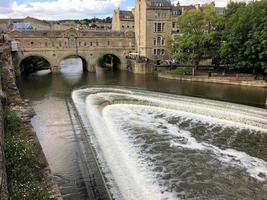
<point>232,8</point>
<point>244,43</point>
<point>199,38</point>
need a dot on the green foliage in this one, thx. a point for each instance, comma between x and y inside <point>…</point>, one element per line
<point>23,163</point>
<point>245,36</point>
<point>182,71</point>
<point>12,123</point>
<point>232,8</point>
<point>199,39</point>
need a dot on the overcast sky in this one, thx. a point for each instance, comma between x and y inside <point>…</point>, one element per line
<point>73,9</point>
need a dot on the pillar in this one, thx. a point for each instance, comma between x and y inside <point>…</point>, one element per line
<point>55,69</point>
<point>91,67</point>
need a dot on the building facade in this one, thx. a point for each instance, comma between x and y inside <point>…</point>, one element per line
<point>153,21</point>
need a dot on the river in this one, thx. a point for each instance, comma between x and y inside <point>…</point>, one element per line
<point>181,153</point>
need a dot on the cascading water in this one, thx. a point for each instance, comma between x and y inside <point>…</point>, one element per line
<point>158,146</point>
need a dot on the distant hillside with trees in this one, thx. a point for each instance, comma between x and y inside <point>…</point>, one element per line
<point>89,21</point>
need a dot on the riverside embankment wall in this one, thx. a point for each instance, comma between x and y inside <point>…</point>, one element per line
<point>217,80</point>
<point>3,180</point>
<point>15,103</point>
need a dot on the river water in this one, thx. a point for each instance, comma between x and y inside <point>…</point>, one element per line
<point>153,145</point>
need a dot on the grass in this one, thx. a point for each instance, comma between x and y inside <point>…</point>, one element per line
<point>23,162</point>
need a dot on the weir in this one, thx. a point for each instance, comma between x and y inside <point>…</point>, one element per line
<point>157,146</point>
<point>92,175</point>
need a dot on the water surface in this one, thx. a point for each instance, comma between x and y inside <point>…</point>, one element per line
<point>47,93</point>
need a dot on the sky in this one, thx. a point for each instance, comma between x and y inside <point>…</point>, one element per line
<point>73,9</point>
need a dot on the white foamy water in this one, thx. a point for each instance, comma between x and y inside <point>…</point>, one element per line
<point>144,138</point>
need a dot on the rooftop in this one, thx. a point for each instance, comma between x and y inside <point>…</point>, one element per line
<point>126,15</point>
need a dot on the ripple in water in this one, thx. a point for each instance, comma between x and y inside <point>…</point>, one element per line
<point>157,146</point>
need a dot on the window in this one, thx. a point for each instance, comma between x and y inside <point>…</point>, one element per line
<point>158,52</point>
<point>128,26</point>
<point>108,43</point>
<point>173,25</point>
<point>159,27</point>
<point>91,43</point>
<point>158,40</point>
<point>32,43</point>
<point>46,44</point>
<point>97,43</point>
<point>122,26</point>
<point>132,26</point>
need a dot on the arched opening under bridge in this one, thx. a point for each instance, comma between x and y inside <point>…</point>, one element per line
<point>109,61</point>
<point>31,64</point>
<point>73,65</point>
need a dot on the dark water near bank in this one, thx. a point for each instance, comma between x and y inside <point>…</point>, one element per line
<point>47,93</point>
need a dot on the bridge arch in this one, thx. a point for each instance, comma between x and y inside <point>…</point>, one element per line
<point>83,59</point>
<point>110,60</point>
<point>33,62</point>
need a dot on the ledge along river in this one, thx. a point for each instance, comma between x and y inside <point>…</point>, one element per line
<point>189,142</point>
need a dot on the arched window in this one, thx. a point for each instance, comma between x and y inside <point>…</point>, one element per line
<point>158,40</point>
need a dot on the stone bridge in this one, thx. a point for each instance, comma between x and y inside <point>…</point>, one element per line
<point>90,46</point>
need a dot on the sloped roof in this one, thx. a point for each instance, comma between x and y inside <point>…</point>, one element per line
<point>22,26</point>
<point>126,15</point>
<point>159,3</point>
<point>177,10</point>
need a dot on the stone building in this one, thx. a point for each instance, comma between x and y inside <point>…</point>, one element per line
<point>30,23</point>
<point>153,21</point>
<point>123,20</point>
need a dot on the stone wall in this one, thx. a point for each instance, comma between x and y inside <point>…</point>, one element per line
<point>140,67</point>
<point>25,112</point>
<point>3,180</point>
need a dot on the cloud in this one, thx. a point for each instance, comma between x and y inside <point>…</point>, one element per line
<point>74,9</point>
<point>59,9</point>
<point>218,3</point>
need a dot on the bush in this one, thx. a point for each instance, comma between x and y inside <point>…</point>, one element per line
<point>12,123</point>
<point>182,71</point>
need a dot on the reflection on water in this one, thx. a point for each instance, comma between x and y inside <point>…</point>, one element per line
<point>52,123</point>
